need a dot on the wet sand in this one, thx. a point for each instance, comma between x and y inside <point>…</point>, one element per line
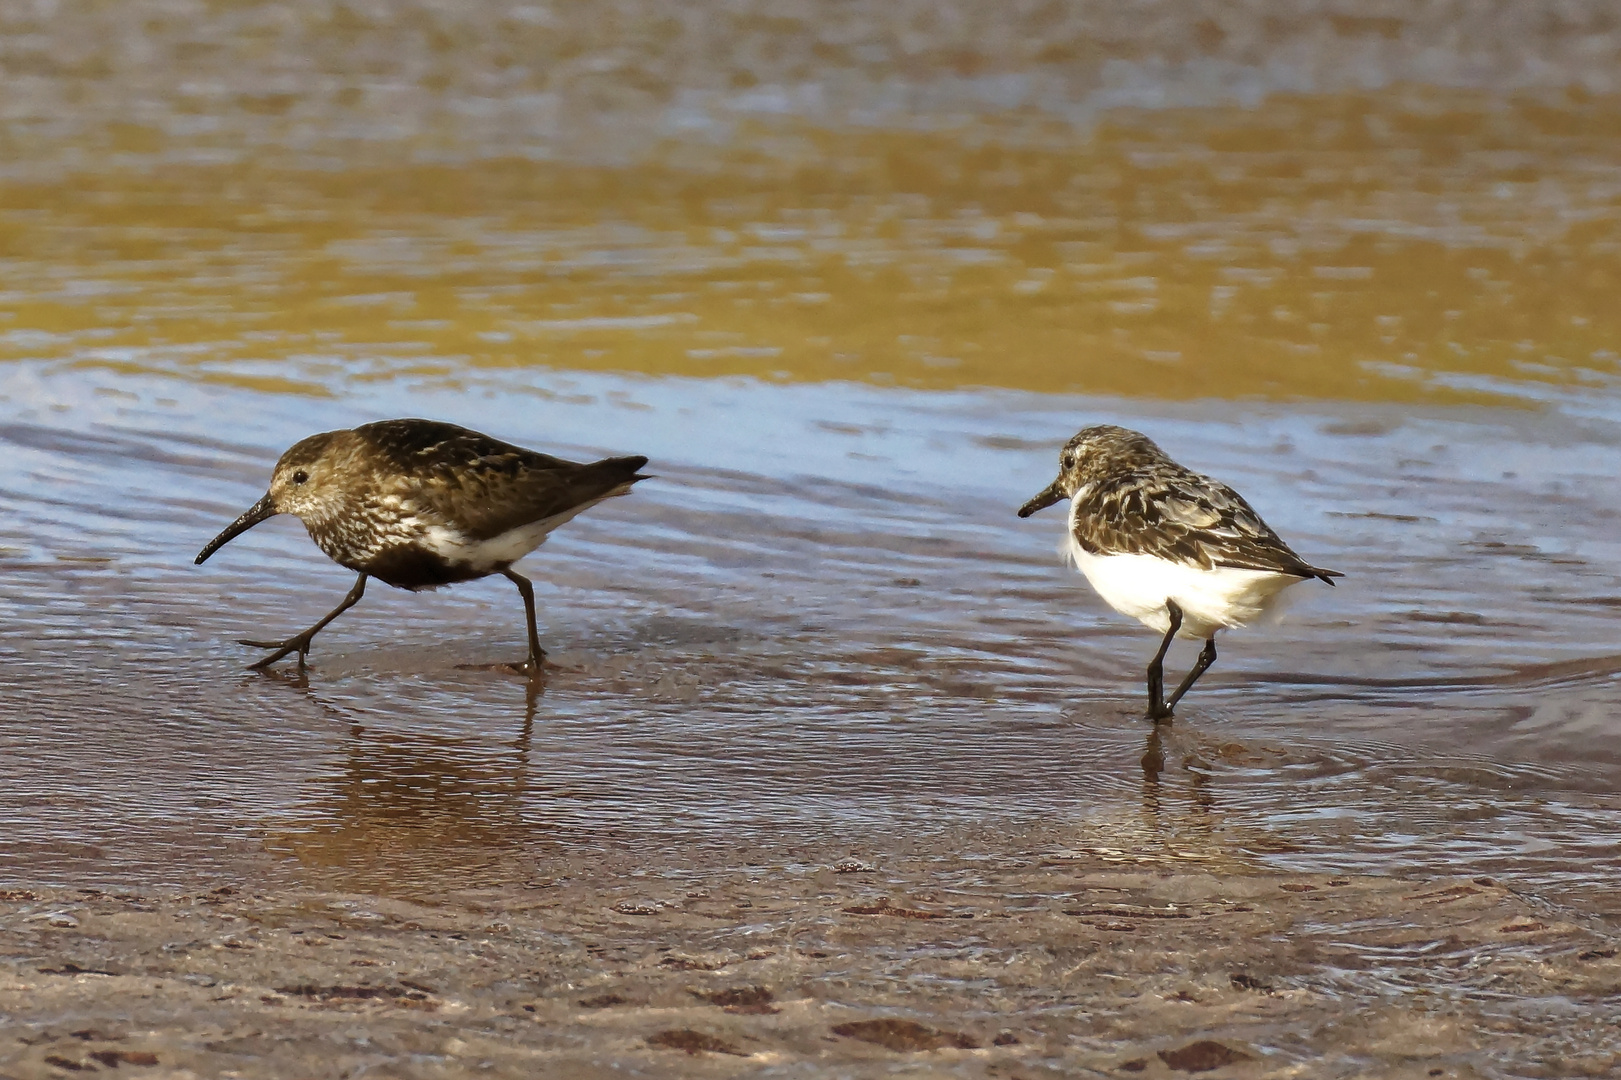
<point>979,964</point>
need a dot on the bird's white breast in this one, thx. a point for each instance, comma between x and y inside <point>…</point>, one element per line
<point>1211,600</point>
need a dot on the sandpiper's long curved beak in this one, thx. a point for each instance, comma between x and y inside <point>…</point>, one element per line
<point>264,508</point>
<point>1048,495</point>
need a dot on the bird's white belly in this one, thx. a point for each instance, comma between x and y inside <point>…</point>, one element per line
<point>1211,600</point>
<point>501,550</point>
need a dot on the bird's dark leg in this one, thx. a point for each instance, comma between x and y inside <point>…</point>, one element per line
<point>537,655</point>
<point>1157,709</point>
<point>1207,656</point>
<point>300,643</point>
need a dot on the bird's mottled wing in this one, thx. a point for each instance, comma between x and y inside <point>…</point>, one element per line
<point>1180,516</point>
<point>410,446</point>
<point>487,486</point>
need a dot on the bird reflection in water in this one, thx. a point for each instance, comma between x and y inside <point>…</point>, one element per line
<point>1198,816</point>
<point>406,812</point>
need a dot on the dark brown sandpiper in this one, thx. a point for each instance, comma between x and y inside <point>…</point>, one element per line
<point>418,504</point>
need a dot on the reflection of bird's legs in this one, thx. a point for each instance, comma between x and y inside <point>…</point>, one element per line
<point>531,699</point>
<point>1207,656</point>
<point>1153,757</point>
<point>1202,797</point>
<point>1157,709</point>
<point>301,642</point>
<point>1161,805</point>
<point>1153,795</point>
<point>520,770</point>
<point>537,655</point>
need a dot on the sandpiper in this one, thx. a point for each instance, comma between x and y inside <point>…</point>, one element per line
<point>1180,552</point>
<point>419,504</point>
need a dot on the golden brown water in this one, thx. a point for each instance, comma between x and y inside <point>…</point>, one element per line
<point>1406,246</point>
<point>850,302</point>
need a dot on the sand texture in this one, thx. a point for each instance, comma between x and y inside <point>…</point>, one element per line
<point>1046,966</point>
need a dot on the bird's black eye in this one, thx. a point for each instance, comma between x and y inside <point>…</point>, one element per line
<point>300,477</point>
<point>1069,461</point>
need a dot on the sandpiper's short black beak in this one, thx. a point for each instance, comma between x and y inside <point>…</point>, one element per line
<point>264,508</point>
<point>1048,495</point>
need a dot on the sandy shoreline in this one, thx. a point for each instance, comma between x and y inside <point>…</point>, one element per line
<point>1007,966</point>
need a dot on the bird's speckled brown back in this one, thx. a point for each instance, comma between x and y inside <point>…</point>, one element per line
<point>1131,498</point>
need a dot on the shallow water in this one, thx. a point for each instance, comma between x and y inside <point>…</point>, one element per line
<point>1377,301</point>
<point>807,634</point>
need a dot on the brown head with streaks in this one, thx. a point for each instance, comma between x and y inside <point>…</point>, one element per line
<point>309,482</point>
<point>1093,454</point>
